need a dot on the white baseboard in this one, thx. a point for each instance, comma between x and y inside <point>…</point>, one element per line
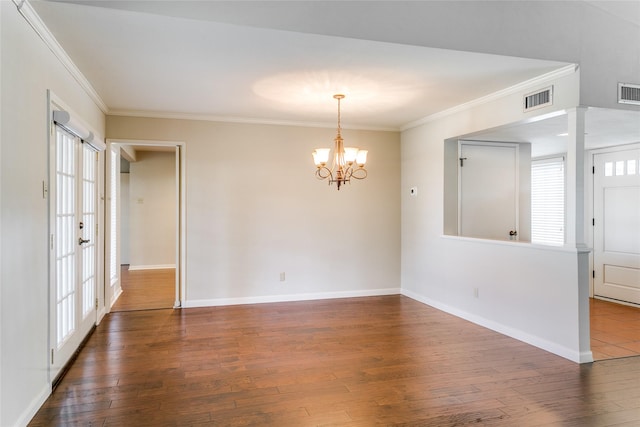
<point>34,406</point>
<point>286,298</point>
<point>586,357</point>
<point>100,315</point>
<point>115,297</point>
<point>151,267</point>
<point>560,350</point>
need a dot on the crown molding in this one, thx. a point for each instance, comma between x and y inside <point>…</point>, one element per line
<point>34,20</point>
<point>523,86</point>
<point>231,119</point>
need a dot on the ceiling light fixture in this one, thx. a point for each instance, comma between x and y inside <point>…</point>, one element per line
<point>344,158</point>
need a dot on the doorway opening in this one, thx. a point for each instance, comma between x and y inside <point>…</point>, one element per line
<point>145,244</point>
<point>615,306</point>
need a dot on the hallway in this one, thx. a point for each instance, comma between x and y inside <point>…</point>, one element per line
<point>146,289</point>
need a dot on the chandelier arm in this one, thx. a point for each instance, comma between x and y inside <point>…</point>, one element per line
<point>348,171</point>
<point>324,173</point>
<point>357,175</point>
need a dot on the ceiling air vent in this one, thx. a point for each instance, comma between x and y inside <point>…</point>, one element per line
<point>539,99</point>
<point>628,94</point>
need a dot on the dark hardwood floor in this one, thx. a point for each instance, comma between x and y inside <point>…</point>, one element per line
<point>349,362</point>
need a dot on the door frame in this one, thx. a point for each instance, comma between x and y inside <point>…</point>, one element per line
<point>180,146</point>
<point>49,192</point>
<point>590,203</point>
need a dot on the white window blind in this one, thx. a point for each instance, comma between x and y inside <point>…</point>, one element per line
<point>547,201</point>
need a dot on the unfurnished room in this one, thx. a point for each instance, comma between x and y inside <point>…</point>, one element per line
<point>319,213</point>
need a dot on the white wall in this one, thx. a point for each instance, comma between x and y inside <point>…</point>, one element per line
<point>609,54</point>
<point>529,292</point>
<point>28,69</point>
<point>152,210</point>
<point>255,209</point>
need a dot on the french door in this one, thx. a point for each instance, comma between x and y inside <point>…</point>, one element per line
<point>73,242</point>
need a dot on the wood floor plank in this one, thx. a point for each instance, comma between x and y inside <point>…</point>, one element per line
<point>351,362</point>
<point>146,289</point>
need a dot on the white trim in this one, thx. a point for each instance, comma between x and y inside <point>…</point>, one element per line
<point>179,210</point>
<point>112,279</point>
<point>613,149</point>
<point>27,11</point>
<point>32,18</point>
<point>231,119</point>
<point>287,298</point>
<point>519,244</point>
<point>560,350</point>
<point>151,267</point>
<point>34,406</point>
<point>528,84</point>
<point>616,301</point>
<point>115,297</point>
<point>143,142</point>
<point>181,257</point>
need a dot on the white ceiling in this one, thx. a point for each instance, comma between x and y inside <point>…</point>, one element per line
<point>281,62</point>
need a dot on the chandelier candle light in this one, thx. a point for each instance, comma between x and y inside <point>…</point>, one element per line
<point>342,169</point>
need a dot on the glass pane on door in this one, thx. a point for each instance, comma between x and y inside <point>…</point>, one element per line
<point>66,242</point>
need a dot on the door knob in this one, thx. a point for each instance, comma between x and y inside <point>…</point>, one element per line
<point>81,240</point>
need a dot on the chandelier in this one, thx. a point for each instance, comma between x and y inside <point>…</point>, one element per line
<point>348,162</point>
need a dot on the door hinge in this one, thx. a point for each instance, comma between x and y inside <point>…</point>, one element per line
<point>51,242</point>
<point>462,159</point>
<point>96,303</point>
<point>45,190</point>
<point>593,274</point>
<point>593,222</point>
<point>593,170</point>
<point>52,356</point>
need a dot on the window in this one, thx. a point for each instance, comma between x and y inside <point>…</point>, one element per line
<point>547,201</point>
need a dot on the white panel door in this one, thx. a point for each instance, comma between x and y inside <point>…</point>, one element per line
<point>488,204</point>
<point>74,238</point>
<point>617,225</point>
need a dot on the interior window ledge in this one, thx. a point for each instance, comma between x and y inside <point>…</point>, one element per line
<point>515,243</point>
